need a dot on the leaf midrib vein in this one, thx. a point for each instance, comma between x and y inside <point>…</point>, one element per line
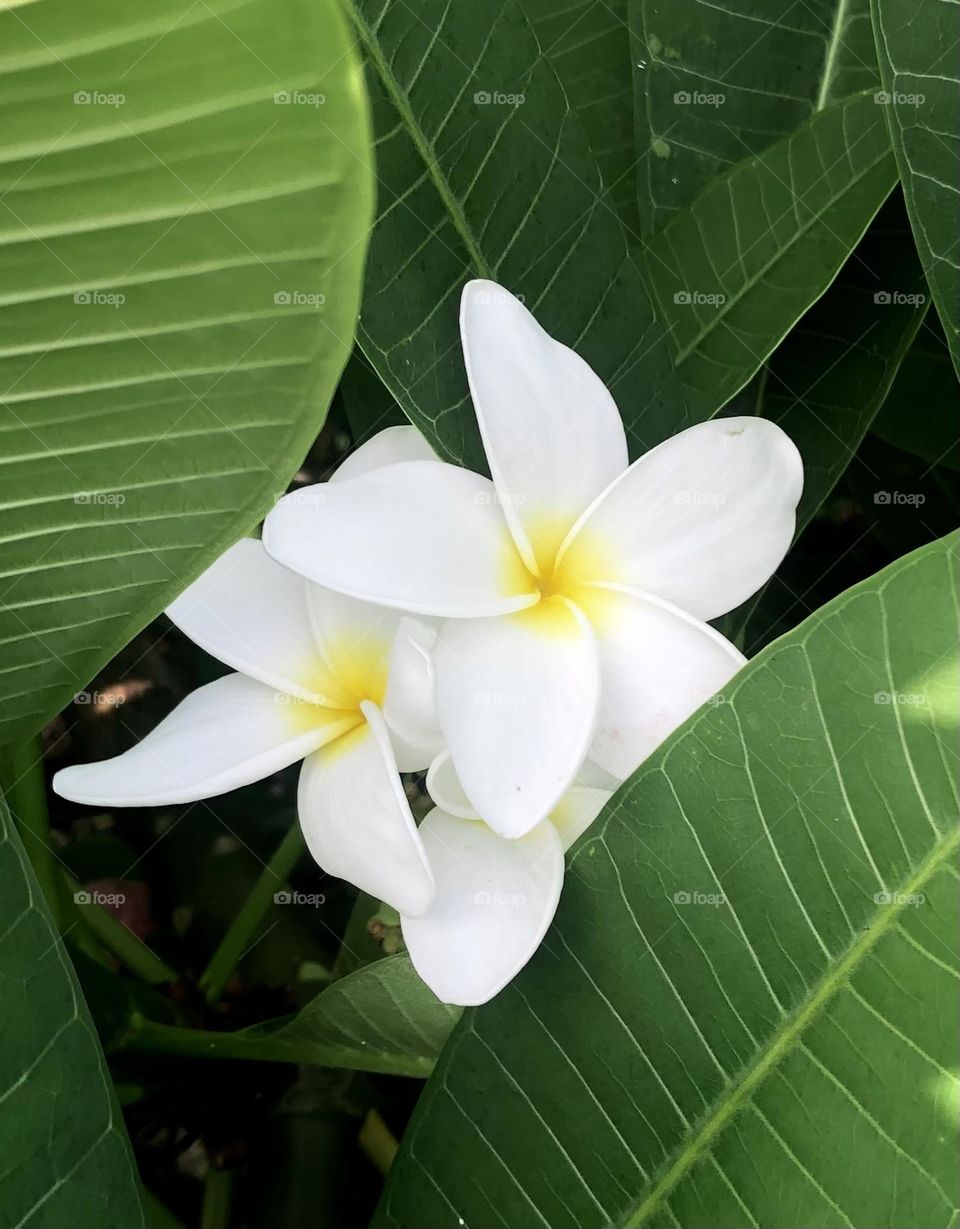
<point>420,142</point>
<point>784,1039</point>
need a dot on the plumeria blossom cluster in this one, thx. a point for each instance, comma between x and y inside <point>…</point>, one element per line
<point>528,639</point>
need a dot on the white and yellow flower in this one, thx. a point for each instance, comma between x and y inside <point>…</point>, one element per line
<point>340,684</point>
<point>574,587</point>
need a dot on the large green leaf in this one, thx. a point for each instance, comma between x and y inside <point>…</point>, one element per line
<point>66,1158</point>
<point>716,83</point>
<point>734,271</point>
<point>917,44</point>
<point>745,1011</point>
<point>475,183</point>
<point>182,228</point>
<point>588,46</point>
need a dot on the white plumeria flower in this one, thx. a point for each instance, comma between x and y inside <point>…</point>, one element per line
<point>341,684</point>
<point>495,896</point>
<point>575,587</point>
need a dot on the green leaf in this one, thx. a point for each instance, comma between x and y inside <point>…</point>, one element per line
<point>828,379</point>
<point>475,183</point>
<point>383,1015</point>
<point>588,46</point>
<point>733,272</point>
<point>66,1157</point>
<point>160,379</point>
<point>744,1013</point>
<point>381,1018</point>
<point>924,424</point>
<point>917,48</point>
<point>715,84</point>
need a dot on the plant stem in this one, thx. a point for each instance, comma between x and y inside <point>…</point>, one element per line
<point>25,789</point>
<point>117,938</point>
<point>148,1037</point>
<point>217,1189</point>
<point>239,937</point>
<point>378,1141</point>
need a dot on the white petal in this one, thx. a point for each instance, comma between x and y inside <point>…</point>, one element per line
<point>410,708</point>
<point>251,614</point>
<point>356,819</point>
<point>443,786</point>
<point>355,641</point>
<point>224,735</point>
<point>422,536</point>
<point>658,666</point>
<point>702,520</point>
<point>517,698</point>
<point>387,447</point>
<point>576,811</point>
<point>495,899</point>
<point>552,432</point>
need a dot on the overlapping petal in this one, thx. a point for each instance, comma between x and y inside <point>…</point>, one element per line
<point>517,700</point>
<point>356,820</point>
<point>355,641</point>
<point>552,432</point>
<point>658,665</point>
<point>494,900</point>
<point>702,520</point>
<point>576,811</point>
<point>251,614</point>
<point>410,708</point>
<point>388,447</point>
<point>422,536</point>
<point>229,733</point>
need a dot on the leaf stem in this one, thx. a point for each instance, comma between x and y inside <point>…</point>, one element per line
<point>217,1192</point>
<point>378,1141</point>
<point>149,1037</point>
<point>115,937</point>
<point>239,937</point>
